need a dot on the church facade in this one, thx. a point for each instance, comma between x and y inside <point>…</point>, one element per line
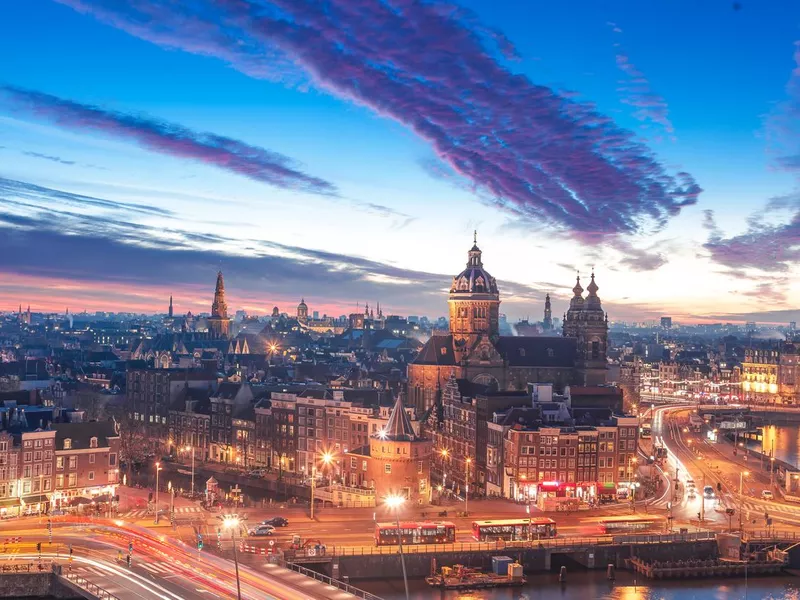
<point>474,350</point>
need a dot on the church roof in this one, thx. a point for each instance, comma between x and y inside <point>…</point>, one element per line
<point>438,350</point>
<point>399,427</point>
<point>474,279</point>
<point>537,351</point>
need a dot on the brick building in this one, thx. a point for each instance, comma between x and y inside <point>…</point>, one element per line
<point>396,461</point>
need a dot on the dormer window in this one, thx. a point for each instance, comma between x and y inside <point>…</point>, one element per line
<point>444,350</point>
<point>93,443</point>
<point>67,444</point>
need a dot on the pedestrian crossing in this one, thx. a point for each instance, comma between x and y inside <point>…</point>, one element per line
<point>181,511</point>
<point>155,568</point>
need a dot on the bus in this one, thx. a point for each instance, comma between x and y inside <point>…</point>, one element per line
<point>415,532</point>
<point>514,529</point>
<point>646,431</point>
<point>630,524</point>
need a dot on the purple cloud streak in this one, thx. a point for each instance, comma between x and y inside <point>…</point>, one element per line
<point>171,139</point>
<point>432,67</point>
<point>769,246</point>
<point>648,106</point>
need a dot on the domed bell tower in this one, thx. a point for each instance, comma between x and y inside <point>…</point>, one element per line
<point>474,303</point>
<point>588,323</point>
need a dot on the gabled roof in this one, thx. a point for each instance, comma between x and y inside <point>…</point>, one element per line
<point>438,350</point>
<point>81,433</point>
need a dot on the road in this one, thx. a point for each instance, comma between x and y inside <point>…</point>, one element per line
<point>693,456</point>
<point>162,567</point>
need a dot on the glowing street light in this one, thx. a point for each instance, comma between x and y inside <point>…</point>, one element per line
<point>326,458</point>
<point>394,502</point>
<point>187,449</point>
<point>158,470</point>
<point>742,475</point>
<point>445,455</point>
<point>233,522</point>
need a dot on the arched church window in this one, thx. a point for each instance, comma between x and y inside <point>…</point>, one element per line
<point>595,349</point>
<point>480,283</point>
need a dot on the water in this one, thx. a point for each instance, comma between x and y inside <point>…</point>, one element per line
<point>593,585</point>
<point>786,441</point>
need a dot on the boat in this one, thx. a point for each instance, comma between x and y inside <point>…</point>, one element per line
<point>460,577</point>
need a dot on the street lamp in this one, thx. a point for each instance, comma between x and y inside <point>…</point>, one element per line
<point>158,470</point>
<point>171,499</point>
<point>187,449</point>
<point>528,510</point>
<point>232,522</point>
<point>445,455</point>
<point>394,502</point>
<point>742,475</point>
<point>326,458</point>
<point>466,487</point>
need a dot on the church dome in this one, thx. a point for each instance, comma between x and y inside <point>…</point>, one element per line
<point>474,279</point>
<point>302,304</point>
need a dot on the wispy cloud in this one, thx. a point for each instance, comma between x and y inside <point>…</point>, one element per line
<point>172,139</point>
<point>638,259</point>
<point>635,91</point>
<point>56,159</point>
<point>766,246</point>
<point>434,68</point>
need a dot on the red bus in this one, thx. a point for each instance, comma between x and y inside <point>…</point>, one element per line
<point>415,532</point>
<point>514,529</point>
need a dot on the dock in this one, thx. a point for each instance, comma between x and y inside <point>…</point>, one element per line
<point>693,569</point>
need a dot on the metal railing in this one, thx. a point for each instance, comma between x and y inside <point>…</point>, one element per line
<point>345,587</point>
<point>29,567</point>
<point>559,543</point>
<point>88,586</point>
<point>771,536</point>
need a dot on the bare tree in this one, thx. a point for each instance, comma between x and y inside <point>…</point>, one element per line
<point>134,444</point>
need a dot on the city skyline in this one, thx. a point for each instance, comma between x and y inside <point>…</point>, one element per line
<point>321,155</point>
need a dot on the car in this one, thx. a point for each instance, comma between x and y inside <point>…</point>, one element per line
<point>276,522</point>
<point>708,491</point>
<point>262,530</point>
<point>766,495</point>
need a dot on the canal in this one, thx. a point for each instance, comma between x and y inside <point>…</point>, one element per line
<point>593,585</point>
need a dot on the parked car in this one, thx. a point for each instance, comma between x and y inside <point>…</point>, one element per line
<point>766,495</point>
<point>262,530</point>
<point>276,522</point>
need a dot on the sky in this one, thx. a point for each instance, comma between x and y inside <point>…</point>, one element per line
<point>345,151</point>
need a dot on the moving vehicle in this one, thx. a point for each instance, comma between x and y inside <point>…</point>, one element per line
<point>646,431</point>
<point>415,532</point>
<point>262,530</point>
<point>766,495</point>
<point>514,529</point>
<point>630,523</point>
<point>708,491</point>
<point>276,522</point>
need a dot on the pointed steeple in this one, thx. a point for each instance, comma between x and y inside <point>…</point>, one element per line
<point>592,288</point>
<point>578,290</point>
<point>219,308</point>
<point>399,426</point>
<point>474,254</point>
<point>170,306</point>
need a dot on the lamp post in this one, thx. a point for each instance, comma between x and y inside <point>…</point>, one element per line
<point>742,475</point>
<point>171,499</point>
<point>445,455</point>
<point>394,502</point>
<point>326,458</point>
<point>466,487</point>
<point>158,470</point>
<point>528,510</point>
<point>232,522</point>
<point>187,449</point>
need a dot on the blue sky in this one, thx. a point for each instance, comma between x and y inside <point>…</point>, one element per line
<point>99,103</point>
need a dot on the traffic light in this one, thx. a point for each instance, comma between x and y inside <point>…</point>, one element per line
<point>719,486</point>
<point>70,551</point>
<point>130,547</point>
<point>39,547</point>
<point>199,542</point>
<point>129,560</point>
<point>150,497</point>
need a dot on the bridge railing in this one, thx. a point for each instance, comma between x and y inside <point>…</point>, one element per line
<point>86,585</point>
<point>500,545</point>
<point>771,536</point>
<point>345,587</point>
